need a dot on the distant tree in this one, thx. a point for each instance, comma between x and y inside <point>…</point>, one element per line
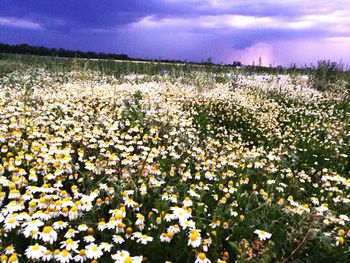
<point>59,52</point>
<point>236,64</point>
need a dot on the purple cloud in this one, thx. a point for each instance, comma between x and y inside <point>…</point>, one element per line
<point>193,30</point>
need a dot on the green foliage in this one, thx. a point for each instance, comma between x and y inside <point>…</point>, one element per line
<point>325,74</point>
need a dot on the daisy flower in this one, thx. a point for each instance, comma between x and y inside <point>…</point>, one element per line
<point>13,258</point>
<point>340,241</point>
<point>118,239</point>
<point>59,225</point>
<point>105,246</point>
<point>187,202</point>
<point>166,237</point>
<point>48,234</point>
<point>195,239</point>
<point>144,239</point>
<point>174,229</point>
<point>262,234</point>
<point>93,251</point>
<point>35,252</point>
<point>83,227</point>
<point>71,233</point>
<point>123,256</point>
<point>64,256</point>
<point>70,244</point>
<point>48,255</point>
<point>10,223</point>
<point>81,257</point>
<point>89,239</point>
<point>73,213</point>
<point>202,258</point>
<point>9,250</point>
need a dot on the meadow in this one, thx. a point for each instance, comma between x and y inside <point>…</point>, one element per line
<point>149,162</point>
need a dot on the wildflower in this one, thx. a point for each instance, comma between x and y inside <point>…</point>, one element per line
<point>93,251</point>
<point>70,244</point>
<point>128,232</point>
<point>13,258</point>
<point>11,223</point>
<point>174,229</point>
<point>341,232</point>
<point>89,239</point>
<point>71,233</point>
<point>106,246</point>
<point>202,258</point>
<point>47,255</point>
<point>166,237</point>
<point>140,222</point>
<point>262,234</point>
<point>35,252</point>
<point>195,238</point>
<point>143,189</point>
<point>64,256</point>
<point>59,225</point>
<point>73,213</point>
<point>3,258</point>
<point>340,241</point>
<point>144,239</point>
<point>188,224</point>
<point>9,250</point>
<point>120,256</point>
<point>187,202</point>
<point>118,239</point>
<point>101,225</point>
<point>81,257</point>
<point>83,227</point>
<point>48,234</point>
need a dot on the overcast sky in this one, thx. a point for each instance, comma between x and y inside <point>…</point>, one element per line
<point>279,31</point>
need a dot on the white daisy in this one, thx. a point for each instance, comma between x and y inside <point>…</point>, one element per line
<point>262,234</point>
<point>93,251</point>
<point>202,258</point>
<point>35,252</point>
<point>64,256</point>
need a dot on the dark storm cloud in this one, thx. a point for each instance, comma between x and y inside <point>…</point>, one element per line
<point>106,14</point>
<point>72,14</point>
<point>191,29</point>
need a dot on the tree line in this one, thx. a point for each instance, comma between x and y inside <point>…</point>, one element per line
<point>58,52</point>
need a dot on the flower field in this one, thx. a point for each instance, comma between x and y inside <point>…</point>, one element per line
<point>94,169</point>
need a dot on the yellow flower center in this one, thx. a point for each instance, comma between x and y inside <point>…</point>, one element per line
<point>341,241</point>
<point>11,221</point>
<point>94,248</point>
<point>341,232</point>
<point>13,258</point>
<point>119,216</point>
<point>35,247</point>
<point>65,253</point>
<point>194,236</point>
<point>202,256</point>
<point>47,229</point>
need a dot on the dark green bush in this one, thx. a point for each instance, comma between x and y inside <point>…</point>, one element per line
<point>325,74</point>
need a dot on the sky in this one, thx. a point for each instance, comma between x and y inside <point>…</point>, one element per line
<point>280,32</point>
